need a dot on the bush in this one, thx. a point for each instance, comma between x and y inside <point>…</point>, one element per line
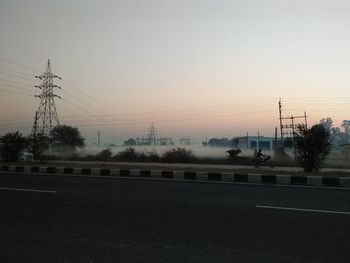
<point>38,144</point>
<point>65,139</point>
<point>128,154</point>
<point>104,155</point>
<point>153,156</point>
<point>11,144</point>
<point>312,147</point>
<point>148,156</point>
<point>179,155</point>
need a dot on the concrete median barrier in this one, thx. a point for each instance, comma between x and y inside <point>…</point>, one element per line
<point>325,181</point>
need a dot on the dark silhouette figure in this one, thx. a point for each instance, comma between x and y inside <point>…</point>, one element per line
<point>233,153</point>
<point>262,159</point>
<point>260,154</point>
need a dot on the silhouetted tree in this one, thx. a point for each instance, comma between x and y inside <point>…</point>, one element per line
<point>128,154</point>
<point>130,142</point>
<point>312,146</point>
<point>179,155</point>
<point>37,145</point>
<point>11,144</point>
<point>66,139</point>
<point>104,155</point>
<point>346,126</point>
<point>148,156</point>
<point>337,136</point>
<point>288,142</point>
<point>327,123</point>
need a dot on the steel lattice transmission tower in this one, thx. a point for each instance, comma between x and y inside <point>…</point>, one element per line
<point>152,135</point>
<point>46,116</point>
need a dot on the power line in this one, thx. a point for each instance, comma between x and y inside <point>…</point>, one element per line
<point>15,82</point>
<point>95,101</point>
<point>17,72</point>
<point>14,87</point>
<point>93,107</point>
<point>14,75</point>
<point>215,109</point>
<point>15,92</point>
<point>19,64</point>
<point>180,119</point>
<point>31,68</point>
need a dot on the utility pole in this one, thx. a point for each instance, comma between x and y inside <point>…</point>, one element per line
<point>98,138</point>
<point>35,125</point>
<point>46,114</point>
<point>280,118</point>
<point>305,118</point>
<point>291,126</point>
<point>275,144</point>
<point>247,145</point>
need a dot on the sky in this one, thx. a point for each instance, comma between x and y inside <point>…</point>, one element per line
<point>198,69</point>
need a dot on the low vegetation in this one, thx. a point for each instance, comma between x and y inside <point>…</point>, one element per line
<point>312,147</point>
<point>176,155</point>
<point>11,144</point>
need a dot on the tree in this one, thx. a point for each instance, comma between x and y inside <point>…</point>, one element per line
<point>11,144</point>
<point>327,123</point>
<point>346,126</point>
<point>179,155</point>
<point>66,139</point>
<point>288,142</point>
<point>337,136</point>
<point>312,146</point>
<point>104,155</point>
<point>129,155</point>
<point>37,145</point>
<point>130,142</point>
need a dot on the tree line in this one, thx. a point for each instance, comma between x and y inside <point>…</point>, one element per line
<point>312,145</point>
<point>63,139</point>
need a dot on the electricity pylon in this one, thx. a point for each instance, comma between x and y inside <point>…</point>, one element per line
<point>46,116</point>
<point>152,135</point>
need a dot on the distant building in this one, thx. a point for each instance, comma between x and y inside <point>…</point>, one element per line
<point>255,142</point>
<point>185,141</point>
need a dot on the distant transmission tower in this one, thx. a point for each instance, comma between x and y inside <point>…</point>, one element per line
<point>46,116</point>
<point>152,135</point>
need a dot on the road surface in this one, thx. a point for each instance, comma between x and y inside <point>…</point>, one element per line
<point>80,219</point>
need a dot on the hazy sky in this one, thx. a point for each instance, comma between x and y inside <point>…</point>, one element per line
<point>194,68</point>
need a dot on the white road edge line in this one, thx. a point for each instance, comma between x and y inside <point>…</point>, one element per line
<point>28,190</point>
<point>303,210</point>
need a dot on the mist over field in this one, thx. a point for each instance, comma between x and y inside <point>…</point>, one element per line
<point>199,150</point>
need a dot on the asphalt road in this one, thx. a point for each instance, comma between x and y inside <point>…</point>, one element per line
<point>80,219</point>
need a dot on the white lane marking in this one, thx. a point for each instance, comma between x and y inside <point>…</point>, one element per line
<point>303,210</point>
<point>28,190</point>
